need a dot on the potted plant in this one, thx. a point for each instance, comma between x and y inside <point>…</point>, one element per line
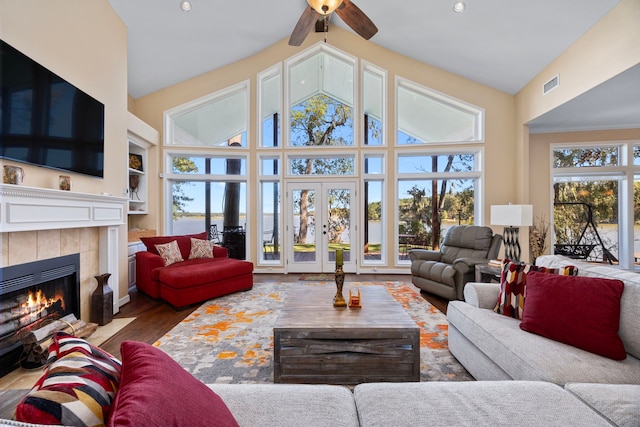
<point>538,234</point>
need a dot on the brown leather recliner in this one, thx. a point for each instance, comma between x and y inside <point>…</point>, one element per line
<point>445,272</point>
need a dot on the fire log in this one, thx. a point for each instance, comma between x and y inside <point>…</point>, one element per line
<point>42,333</point>
<point>72,328</point>
<point>87,330</point>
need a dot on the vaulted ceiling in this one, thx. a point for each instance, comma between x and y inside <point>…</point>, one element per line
<point>500,43</point>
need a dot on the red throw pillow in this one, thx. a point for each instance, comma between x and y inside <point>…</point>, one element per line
<point>513,282</point>
<point>580,311</point>
<point>156,391</point>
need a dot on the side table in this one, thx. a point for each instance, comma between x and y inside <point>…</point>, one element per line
<point>486,273</point>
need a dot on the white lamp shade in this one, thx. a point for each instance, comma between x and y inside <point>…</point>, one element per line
<point>512,215</point>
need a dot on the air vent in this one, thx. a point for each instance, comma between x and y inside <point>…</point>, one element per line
<point>551,84</point>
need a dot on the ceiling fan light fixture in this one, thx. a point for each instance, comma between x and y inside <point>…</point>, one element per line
<point>185,6</point>
<point>324,7</point>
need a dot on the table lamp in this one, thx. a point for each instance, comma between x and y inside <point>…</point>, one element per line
<point>512,217</point>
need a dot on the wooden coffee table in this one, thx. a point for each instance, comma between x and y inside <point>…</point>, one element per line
<point>317,343</point>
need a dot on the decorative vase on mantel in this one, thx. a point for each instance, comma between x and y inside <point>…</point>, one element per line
<point>102,301</point>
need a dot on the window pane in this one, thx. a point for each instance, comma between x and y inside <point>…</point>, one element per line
<point>373,104</point>
<point>413,216</point>
<point>270,90</point>
<point>373,220</point>
<point>321,121</point>
<point>585,157</point>
<point>271,220</point>
<point>428,206</point>
<point>414,164</point>
<point>270,166</point>
<point>458,206</point>
<point>636,155</point>
<point>437,163</point>
<point>585,219</point>
<point>373,165</point>
<point>424,116</point>
<point>188,207</point>
<point>271,131</point>
<point>324,73</point>
<point>321,166</point>
<point>373,131</point>
<point>208,165</point>
<point>215,122</point>
<point>227,210</point>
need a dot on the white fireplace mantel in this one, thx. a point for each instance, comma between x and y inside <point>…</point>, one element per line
<point>29,208</point>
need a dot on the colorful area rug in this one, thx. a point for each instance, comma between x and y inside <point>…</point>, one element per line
<point>316,277</point>
<point>230,339</point>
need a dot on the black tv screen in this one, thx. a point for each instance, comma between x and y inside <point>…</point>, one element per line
<point>47,121</point>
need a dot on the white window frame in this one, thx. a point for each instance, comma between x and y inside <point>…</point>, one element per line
<point>624,173</point>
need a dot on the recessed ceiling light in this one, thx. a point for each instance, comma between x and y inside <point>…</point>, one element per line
<point>185,6</point>
<point>459,7</point>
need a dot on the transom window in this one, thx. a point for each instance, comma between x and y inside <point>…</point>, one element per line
<point>425,116</point>
<point>317,165</point>
<point>217,120</point>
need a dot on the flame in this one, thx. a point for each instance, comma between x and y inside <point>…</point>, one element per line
<point>37,300</point>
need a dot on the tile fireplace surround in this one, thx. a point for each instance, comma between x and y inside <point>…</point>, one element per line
<point>40,223</point>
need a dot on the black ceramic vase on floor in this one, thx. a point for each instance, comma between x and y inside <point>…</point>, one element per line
<point>102,301</point>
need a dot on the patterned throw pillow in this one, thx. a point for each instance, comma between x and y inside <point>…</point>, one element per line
<point>76,389</point>
<point>513,283</point>
<point>170,253</point>
<point>201,249</point>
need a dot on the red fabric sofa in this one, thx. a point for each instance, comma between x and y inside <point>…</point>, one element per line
<point>192,280</point>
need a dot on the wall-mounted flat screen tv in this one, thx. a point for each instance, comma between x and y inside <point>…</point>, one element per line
<point>47,121</point>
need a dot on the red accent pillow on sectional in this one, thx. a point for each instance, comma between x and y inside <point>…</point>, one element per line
<point>156,391</point>
<point>580,311</point>
<point>184,242</point>
<point>513,282</point>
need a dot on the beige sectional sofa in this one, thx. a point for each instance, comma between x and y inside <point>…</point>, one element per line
<point>493,347</point>
<point>481,403</point>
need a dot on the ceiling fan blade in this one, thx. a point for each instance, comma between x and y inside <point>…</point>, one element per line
<point>306,22</point>
<point>356,19</point>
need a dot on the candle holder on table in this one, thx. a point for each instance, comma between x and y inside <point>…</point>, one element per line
<point>338,300</point>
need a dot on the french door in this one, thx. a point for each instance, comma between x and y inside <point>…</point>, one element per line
<point>320,219</point>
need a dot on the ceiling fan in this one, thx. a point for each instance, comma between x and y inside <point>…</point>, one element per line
<point>321,9</point>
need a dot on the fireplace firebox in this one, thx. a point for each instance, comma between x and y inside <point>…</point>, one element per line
<point>32,295</point>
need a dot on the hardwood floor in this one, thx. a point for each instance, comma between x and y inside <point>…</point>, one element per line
<point>154,318</point>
